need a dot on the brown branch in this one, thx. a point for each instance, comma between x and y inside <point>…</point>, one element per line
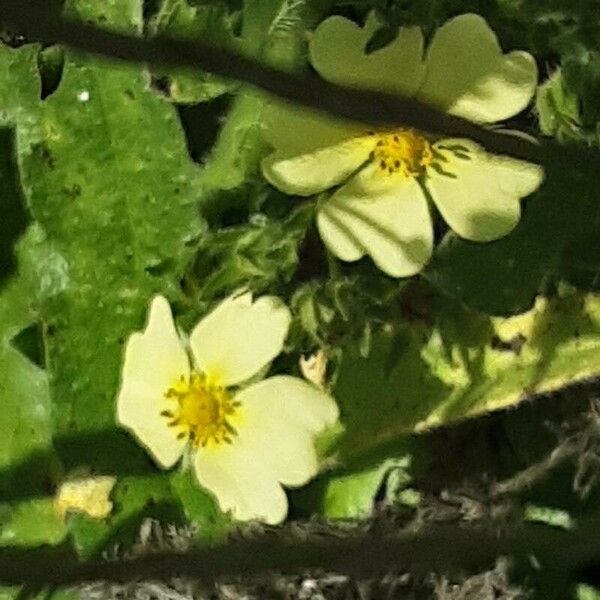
<point>38,22</point>
<point>438,547</point>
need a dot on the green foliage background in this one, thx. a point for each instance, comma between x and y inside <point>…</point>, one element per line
<point>118,183</point>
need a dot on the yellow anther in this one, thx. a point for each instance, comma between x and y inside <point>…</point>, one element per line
<point>203,411</point>
<point>403,151</point>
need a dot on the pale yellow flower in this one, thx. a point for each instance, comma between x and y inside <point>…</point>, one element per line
<point>245,440</point>
<point>385,177</point>
<point>89,495</point>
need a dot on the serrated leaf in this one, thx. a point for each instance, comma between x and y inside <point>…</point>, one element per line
<point>106,174</point>
<point>261,256</point>
<point>558,109</point>
<point>463,365</point>
<point>107,177</point>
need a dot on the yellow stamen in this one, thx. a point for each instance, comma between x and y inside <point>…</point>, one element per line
<point>403,151</point>
<point>203,411</point>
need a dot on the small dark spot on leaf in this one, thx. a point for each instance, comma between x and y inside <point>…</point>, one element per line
<point>74,191</point>
<point>162,85</point>
<point>44,155</point>
<point>160,268</point>
<point>515,344</point>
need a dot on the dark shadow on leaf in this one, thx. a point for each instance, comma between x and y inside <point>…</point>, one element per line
<point>29,342</point>
<point>124,533</point>
<point>201,124</point>
<point>110,452</point>
<point>36,476</point>
<point>14,216</point>
<point>50,62</point>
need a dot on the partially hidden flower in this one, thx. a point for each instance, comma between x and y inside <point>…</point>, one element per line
<point>88,495</point>
<point>385,177</point>
<point>245,440</point>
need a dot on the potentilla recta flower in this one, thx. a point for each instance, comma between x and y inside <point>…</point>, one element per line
<point>386,177</point>
<point>246,440</point>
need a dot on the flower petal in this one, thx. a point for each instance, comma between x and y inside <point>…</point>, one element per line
<point>154,360</point>
<point>480,197</point>
<point>239,337</point>
<point>385,216</point>
<point>337,52</point>
<point>241,482</point>
<point>308,174</point>
<point>294,130</point>
<point>281,416</point>
<point>469,76</point>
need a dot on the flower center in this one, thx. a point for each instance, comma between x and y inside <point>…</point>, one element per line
<point>203,411</point>
<point>403,151</point>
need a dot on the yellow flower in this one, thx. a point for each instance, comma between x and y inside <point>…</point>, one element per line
<point>245,440</point>
<point>89,495</point>
<point>381,208</point>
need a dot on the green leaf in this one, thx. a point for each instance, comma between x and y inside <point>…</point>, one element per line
<point>135,498</point>
<point>208,22</point>
<point>548,515</point>
<point>581,68</point>
<point>26,456</point>
<point>459,365</point>
<point>31,523</point>
<point>25,418</point>
<point>272,30</point>
<point>558,109</point>
<point>238,149</point>
<point>348,494</point>
<point>261,256</point>
<point>14,593</point>
<point>107,176</point>
<point>587,592</point>
<point>200,508</point>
